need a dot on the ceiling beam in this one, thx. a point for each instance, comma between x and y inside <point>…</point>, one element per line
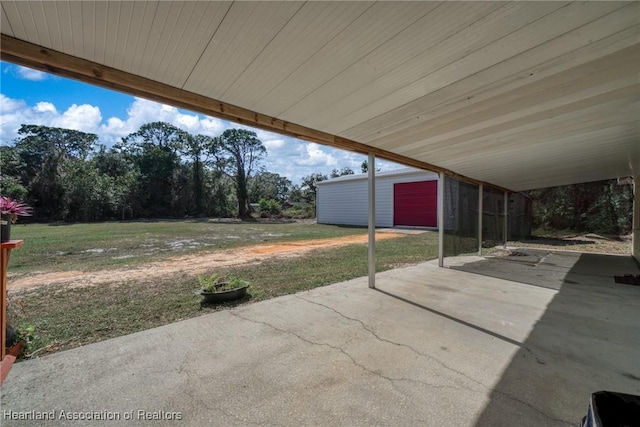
<point>58,63</point>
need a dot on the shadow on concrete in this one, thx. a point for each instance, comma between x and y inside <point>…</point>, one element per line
<point>587,339</point>
<point>551,269</point>
<point>447,316</point>
<point>554,241</point>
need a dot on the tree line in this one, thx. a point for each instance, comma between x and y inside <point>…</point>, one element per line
<point>601,207</point>
<point>159,171</point>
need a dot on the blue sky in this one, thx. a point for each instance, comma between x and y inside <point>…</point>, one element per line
<point>31,97</point>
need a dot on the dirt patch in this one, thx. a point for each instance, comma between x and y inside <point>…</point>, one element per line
<point>191,264</point>
<point>589,242</point>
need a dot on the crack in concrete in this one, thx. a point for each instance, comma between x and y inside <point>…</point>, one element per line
<point>231,415</point>
<point>378,337</point>
<point>199,400</point>
<point>540,411</point>
<point>360,365</point>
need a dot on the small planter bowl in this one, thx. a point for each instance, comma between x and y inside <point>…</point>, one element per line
<point>222,296</point>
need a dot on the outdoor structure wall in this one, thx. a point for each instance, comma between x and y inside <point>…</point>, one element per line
<point>635,250</point>
<point>520,216</point>
<point>343,200</point>
<point>460,217</point>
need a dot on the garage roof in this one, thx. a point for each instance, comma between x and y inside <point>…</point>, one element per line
<point>382,174</point>
<point>518,94</point>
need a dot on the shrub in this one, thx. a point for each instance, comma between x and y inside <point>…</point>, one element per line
<point>299,212</point>
<point>269,207</point>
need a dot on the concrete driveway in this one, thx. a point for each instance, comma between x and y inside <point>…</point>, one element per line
<point>431,347</point>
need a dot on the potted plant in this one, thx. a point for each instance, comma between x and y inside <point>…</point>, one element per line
<point>216,288</point>
<point>9,211</point>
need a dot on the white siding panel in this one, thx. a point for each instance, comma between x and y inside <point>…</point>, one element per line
<point>343,204</point>
<point>344,201</point>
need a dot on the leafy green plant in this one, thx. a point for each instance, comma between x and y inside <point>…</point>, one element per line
<point>208,284</point>
<point>217,283</point>
<point>26,333</point>
<point>269,207</point>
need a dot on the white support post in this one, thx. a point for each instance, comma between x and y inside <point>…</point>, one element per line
<point>480,209</point>
<point>372,220</point>
<point>441,220</point>
<point>505,225</point>
<point>635,233</point>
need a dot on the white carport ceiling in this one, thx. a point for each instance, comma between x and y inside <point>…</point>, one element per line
<point>519,94</point>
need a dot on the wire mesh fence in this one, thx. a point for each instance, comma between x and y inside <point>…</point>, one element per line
<point>461,219</point>
<point>492,218</point>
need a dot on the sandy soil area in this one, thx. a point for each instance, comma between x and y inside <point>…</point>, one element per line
<point>192,264</point>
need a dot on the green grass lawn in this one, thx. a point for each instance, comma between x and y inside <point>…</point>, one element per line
<point>60,247</point>
<point>69,317</point>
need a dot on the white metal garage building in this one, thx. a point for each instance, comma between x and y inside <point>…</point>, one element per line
<point>404,197</point>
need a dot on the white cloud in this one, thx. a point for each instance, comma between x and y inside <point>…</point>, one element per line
<point>30,73</point>
<point>85,118</point>
<point>316,155</point>
<point>212,127</point>
<point>274,144</point>
<point>45,107</point>
<point>144,111</point>
<point>13,113</point>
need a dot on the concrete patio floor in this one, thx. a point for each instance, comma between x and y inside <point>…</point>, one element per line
<point>430,347</point>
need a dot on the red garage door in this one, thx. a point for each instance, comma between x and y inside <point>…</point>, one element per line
<point>416,204</point>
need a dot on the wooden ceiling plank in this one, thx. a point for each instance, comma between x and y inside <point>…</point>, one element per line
<point>471,93</point>
<point>41,22</point>
<point>143,13</point>
<point>373,120</point>
<point>167,17</point>
<point>447,35</point>
<point>520,162</point>
<point>581,145</point>
<point>591,118</point>
<point>610,162</point>
<point>362,36</point>
<point>435,25</point>
<point>111,36</point>
<point>77,31</point>
<point>88,31</point>
<point>4,21</point>
<point>21,20</point>
<point>315,25</point>
<point>57,16</point>
<point>233,48</point>
<point>212,17</point>
<point>612,114</point>
<point>125,35</point>
<point>447,141</point>
<point>100,31</point>
<point>566,88</point>
<point>171,67</point>
<point>153,38</point>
